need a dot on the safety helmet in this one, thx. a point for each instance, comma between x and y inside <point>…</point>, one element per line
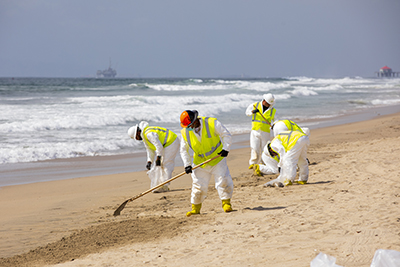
<point>132,131</point>
<point>188,117</point>
<point>269,98</point>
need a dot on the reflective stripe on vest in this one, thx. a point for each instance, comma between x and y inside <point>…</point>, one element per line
<point>258,122</point>
<point>210,143</point>
<point>292,126</point>
<point>289,138</point>
<point>165,136</point>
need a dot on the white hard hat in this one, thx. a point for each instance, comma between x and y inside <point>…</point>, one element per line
<point>132,131</point>
<point>269,98</point>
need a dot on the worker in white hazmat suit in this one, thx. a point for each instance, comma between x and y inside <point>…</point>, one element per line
<point>291,147</point>
<point>270,165</point>
<point>262,117</point>
<point>207,138</point>
<point>163,146</point>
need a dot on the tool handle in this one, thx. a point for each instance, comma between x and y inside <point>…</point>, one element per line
<point>170,180</point>
<point>263,116</point>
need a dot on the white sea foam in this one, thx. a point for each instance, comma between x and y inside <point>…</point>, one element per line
<point>91,117</point>
<point>303,91</point>
<point>387,102</point>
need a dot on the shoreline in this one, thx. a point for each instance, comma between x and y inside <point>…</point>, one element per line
<point>348,209</point>
<point>43,171</point>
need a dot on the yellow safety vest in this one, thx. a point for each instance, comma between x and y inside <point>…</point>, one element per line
<point>210,144</point>
<point>258,122</point>
<point>288,139</point>
<point>165,136</point>
<point>292,126</point>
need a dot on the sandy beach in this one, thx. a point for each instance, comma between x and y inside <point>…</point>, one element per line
<point>349,209</point>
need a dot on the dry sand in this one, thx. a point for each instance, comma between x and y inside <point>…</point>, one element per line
<point>349,209</point>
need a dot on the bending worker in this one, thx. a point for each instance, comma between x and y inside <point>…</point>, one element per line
<point>270,165</point>
<point>163,146</point>
<point>207,138</point>
<point>262,117</point>
<point>291,147</point>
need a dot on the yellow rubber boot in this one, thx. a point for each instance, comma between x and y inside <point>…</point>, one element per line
<point>257,170</point>
<point>301,182</point>
<point>195,210</point>
<point>226,205</point>
<point>287,182</point>
<point>251,166</point>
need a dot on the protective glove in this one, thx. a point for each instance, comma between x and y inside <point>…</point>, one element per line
<point>158,161</point>
<point>254,111</point>
<point>188,169</point>
<point>223,153</point>
<point>148,165</point>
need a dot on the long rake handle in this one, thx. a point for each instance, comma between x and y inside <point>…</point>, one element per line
<point>122,206</point>
<point>263,116</point>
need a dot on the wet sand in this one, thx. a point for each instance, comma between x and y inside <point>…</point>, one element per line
<point>349,209</point>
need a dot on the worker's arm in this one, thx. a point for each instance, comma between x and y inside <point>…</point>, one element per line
<point>153,138</point>
<point>249,110</point>
<point>277,146</point>
<point>224,134</point>
<point>150,152</point>
<point>184,151</point>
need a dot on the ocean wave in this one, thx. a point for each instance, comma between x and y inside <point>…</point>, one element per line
<point>380,102</point>
<point>303,91</point>
<point>49,151</point>
<point>43,120</point>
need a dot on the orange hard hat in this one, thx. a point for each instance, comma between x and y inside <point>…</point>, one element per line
<point>188,117</point>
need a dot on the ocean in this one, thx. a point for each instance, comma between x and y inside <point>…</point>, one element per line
<point>45,119</point>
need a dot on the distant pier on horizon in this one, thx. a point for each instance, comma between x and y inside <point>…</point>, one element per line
<point>387,72</point>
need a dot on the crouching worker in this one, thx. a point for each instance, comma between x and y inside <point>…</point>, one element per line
<point>207,138</point>
<point>291,147</point>
<point>162,145</point>
<point>270,165</point>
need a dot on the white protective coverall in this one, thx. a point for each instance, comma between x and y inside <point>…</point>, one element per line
<point>289,160</point>
<point>201,176</point>
<point>160,174</point>
<point>270,165</point>
<point>258,138</point>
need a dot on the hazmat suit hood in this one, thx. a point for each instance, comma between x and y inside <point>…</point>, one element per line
<point>142,125</point>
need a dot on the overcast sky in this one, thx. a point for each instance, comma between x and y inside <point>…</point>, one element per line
<point>184,38</point>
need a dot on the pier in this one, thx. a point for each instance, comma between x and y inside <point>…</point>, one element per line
<point>387,72</point>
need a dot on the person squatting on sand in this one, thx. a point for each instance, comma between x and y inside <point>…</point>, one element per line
<point>161,144</point>
<point>262,116</point>
<point>270,165</point>
<point>207,138</point>
<point>291,147</point>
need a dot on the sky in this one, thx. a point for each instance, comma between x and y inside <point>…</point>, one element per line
<point>185,38</point>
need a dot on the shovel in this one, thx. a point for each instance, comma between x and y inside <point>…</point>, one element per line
<point>122,206</point>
